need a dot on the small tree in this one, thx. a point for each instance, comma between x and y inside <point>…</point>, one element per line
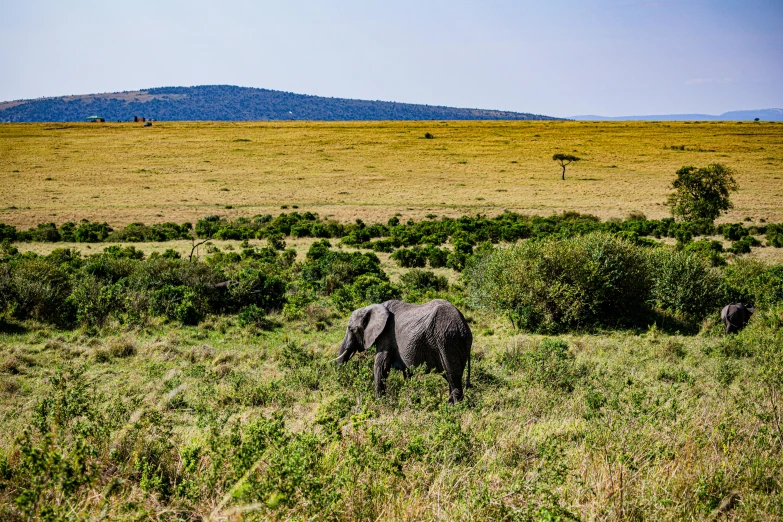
<point>702,193</point>
<point>564,160</point>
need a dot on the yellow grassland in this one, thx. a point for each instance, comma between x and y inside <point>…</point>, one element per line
<point>181,171</point>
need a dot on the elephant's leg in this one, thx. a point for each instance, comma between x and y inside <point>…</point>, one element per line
<point>399,365</point>
<point>382,366</point>
<point>455,385</point>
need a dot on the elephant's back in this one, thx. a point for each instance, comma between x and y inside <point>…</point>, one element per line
<point>437,323</point>
<point>443,313</point>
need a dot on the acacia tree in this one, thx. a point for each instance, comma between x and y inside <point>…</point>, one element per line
<point>564,160</point>
<point>702,193</point>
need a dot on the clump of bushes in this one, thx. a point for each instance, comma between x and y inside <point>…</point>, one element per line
<point>428,234</point>
<point>424,280</point>
<point>553,285</point>
<point>601,280</point>
<point>683,284</point>
<point>708,250</point>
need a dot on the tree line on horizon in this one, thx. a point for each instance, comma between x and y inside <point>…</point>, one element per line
<point>231,103</point>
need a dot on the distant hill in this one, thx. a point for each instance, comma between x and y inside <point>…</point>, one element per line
<point>761,114</point>
<point>231,103</point>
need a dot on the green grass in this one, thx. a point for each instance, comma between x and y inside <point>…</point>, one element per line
<point>215,420</point>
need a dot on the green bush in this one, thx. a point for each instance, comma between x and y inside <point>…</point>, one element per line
<point>684,284</point>
<point>743,246</point>
<point>733,231</point>
<point>327,270</point>
<point>251,315</point>
<point>176,303</point>
<point>96,302</point>
<point>118,252</point>
<point>410,257</point>
<point>708,250</point>
<point>7,232</point>
<point>437,257</point>
<point>424,280</point>
<point>40,291</point>
<point>365,290</point>
<point>256,287</point>
<point>752,281</point>
<point>774,235</point>
<point>557,284</point>
<point>88,232</point>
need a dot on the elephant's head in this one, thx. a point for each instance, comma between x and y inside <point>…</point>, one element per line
<point>364,327</point>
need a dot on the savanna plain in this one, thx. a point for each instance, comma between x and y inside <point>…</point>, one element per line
<point>603,384</point>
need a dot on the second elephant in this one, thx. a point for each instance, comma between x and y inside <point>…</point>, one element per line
<point>735,316</point>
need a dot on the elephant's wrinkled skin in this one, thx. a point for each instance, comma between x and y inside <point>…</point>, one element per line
<point>434,334</point>
<point>735,316</point>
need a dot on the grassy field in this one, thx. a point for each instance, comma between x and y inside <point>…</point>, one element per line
<point>148,419</point>
<point>627,427</point>
<point>121,173</point>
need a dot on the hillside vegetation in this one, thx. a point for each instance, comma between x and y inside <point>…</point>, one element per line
<point>231,103</point>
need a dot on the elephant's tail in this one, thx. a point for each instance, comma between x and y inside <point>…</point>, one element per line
<point>467,381</point>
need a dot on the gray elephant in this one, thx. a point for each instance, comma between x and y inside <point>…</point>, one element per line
<point>434,334</point>
<point>735,316</point>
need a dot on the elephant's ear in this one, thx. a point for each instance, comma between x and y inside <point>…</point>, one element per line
<point>374,323</point>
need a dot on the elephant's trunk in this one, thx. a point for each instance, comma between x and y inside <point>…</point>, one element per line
<point>343,356</point>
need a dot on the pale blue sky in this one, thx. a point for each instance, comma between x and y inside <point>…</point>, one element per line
<point>555,57</point>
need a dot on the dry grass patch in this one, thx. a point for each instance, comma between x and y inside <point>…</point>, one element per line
<point>175,171</point>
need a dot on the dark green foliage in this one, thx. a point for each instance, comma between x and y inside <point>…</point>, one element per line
<point>733,231</point>
<point>138,232</point>
<point>44,232</point>
<point>574,290</point>
<point>176,303</point>
<point>552,285</point>
<point>775,235</point>
<point>95,302</point>
<point>743,246</point>
<point>118,252</point>
<point>683,283</point>
<point>66,258</point>
<point>365,290</point>
<point>424,280</point>
<point>293,224</point>
<point>437,257</point>
<point>40,290</point>
<point>327,270</point>
<point>251,315</point>
<point>410,258</point>
<point>702,193</point>
<point>753,282</point>
<point>463,233</point>
<point>170,254</point>
<point>88,232</point>
<point>256,287</point>
<point>708,250</point>
<point>7,232</point>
